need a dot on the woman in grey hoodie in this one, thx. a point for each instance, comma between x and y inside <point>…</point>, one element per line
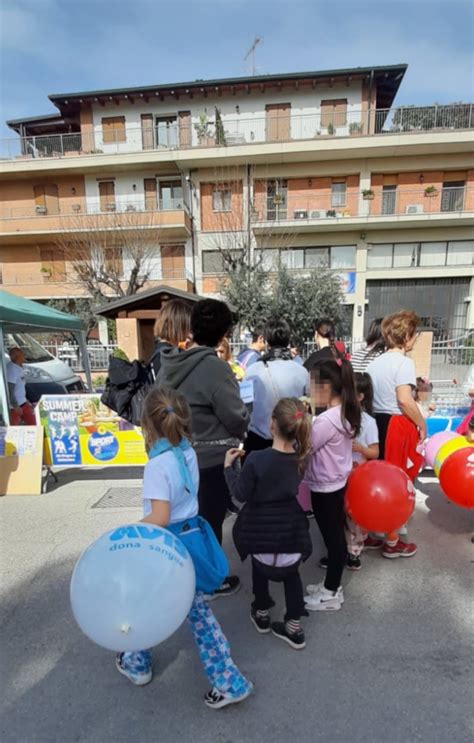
<point>219,417</point>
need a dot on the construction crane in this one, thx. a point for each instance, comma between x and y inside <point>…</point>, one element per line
<point>251,52</point>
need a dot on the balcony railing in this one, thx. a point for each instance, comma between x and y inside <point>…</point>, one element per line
<point>242,130</point>
<point>37,278</point>
<point>79,207</point>
<point>378,204</point>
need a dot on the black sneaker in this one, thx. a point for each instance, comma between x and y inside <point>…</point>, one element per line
<point>216,700</point>
<point>232,509</point>
<point>261,624</point>
<point>309,514</point>
<point>323,563</point>
<point>353,562</point>
<point>229,586</point>
<point>295,639</point>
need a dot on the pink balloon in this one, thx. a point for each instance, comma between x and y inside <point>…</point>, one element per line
<point>435,443</point>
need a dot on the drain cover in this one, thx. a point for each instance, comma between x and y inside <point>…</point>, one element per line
<point>120,498</point>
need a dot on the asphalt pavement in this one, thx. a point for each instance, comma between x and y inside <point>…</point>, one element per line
<point>394,665</point>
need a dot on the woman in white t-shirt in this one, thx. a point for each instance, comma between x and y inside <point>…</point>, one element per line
<point>400,423</point>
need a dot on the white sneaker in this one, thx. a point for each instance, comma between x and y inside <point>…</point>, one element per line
<point>324,600</point>
<point>314,588</point>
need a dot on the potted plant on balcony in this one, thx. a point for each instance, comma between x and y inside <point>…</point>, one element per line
<point>331,129</point>
<point>368,194</point>
<point>47,272</point>
<point>431,191</point>
<point>203,129</point>
<point>220,131</point>
<point>355,128</point>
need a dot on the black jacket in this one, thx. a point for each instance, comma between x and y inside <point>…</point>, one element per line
<point>271,520</point>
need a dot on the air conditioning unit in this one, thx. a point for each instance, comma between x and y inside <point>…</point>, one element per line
<point>414,209</point>
<point>111,207</point>
<point>317,215</point>
<point>41,210</point>
<point>300,214</point>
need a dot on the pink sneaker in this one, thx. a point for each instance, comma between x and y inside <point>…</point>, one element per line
<point>400,549</point>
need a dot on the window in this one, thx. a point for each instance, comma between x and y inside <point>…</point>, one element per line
<point>277,193</point>
<point>222,199</point>
<point>107,196</point>
<point>46,198</point>
<point>171,195</point>
<point>213,260</point>
<point>433,254</point>
<point>268,258</point>
<point>405,255</point>
<point>292,258</point>
<point>389,197</point>
<point>338,194</point>
<point>460,253</point>
<point>334,112</point>
<point>380,256</point>
<point>113,129</point>
<point>172,261</point>
<point>408,255</point>
<point>452,197</point>
<point>166,131</point>
<point>343,256</point>
<point>113,260</point>
<point>315,257</point>
<point>53,266</point>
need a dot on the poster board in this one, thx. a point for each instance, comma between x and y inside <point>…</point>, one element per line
<point>80,431</point>
<point>21,460</point>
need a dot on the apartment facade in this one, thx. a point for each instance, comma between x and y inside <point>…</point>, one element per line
<point>316,168</point>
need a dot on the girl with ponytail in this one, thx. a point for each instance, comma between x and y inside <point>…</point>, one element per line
<point>272,527</point>
<point>325,338</point>
<point>170,488</point>
<point>333,388</point>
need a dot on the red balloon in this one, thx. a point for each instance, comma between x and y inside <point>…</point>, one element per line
<point>456,477</point>
<point>379,496</point>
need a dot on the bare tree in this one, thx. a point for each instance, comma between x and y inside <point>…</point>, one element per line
<point>109,254</point>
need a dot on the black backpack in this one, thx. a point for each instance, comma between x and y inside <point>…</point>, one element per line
<point>126,387</point>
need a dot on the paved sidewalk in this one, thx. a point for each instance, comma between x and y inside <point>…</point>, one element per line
<point>395,664</point>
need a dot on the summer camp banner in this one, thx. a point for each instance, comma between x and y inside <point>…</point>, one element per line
<point>81,431</point>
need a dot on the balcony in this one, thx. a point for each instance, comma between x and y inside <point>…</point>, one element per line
<point>170,217</point>
<point>242,130</point>
<point>402,207</point>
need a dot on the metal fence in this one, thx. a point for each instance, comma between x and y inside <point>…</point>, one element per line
<point>242,130</point>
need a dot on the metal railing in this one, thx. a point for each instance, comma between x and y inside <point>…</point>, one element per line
<point>368,203</point>
<point>242,130</point>
<point>79,206</point>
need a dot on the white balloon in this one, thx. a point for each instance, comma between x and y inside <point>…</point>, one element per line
<point>133,587</point>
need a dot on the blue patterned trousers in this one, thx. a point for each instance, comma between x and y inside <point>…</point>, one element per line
<point>214,651</point>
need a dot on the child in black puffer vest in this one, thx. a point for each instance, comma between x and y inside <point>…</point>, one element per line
<point>272,527</point>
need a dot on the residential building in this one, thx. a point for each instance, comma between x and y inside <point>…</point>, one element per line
<point>308,168</point>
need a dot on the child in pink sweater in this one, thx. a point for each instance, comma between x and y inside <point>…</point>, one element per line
<point>333,387</point>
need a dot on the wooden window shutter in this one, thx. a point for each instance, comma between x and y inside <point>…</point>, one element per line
<point>107,196</point>
<point>53,263</point>
<point>390,180</point>
<point>172,261</point>
<point>277,121</point>
<point>334,111</point>
<point>147,131</point>
<point>113,129</point>
<point>184,128</point>
<point>150,193</point>
<point>51,198</point>
<point>40,196</point>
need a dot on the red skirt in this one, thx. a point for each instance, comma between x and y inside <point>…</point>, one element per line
<point>400,445</point>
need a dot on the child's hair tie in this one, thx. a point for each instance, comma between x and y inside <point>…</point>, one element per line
<point>169,409</point>
<point>298,415</point>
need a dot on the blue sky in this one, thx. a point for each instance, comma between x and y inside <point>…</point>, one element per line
<point>55,46</point>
